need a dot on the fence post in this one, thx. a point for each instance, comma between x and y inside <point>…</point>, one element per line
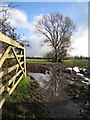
<point>24,61</point>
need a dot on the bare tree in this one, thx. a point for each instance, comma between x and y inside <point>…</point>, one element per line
<point>5,25</point>
<point>57,31</point>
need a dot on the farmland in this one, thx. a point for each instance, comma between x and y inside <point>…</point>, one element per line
<point>68,63</point>
<point>28,92</point>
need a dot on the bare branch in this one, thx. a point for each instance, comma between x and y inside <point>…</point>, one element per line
<point>57,30</point>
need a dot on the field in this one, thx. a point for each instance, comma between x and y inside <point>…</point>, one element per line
<point>68,63</point>
<point>27,100</point>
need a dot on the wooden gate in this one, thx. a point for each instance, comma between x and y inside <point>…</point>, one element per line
<point>8,87</point>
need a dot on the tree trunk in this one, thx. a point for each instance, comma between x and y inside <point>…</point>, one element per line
<point>56,56</point>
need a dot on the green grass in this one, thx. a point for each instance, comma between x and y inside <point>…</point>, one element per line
<point>25,102</point>
<point>80,63</point>
<point>39,61</point>
<point>79,85</point>
<point>68,63</point>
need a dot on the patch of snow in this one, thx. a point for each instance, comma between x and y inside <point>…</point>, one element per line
<point>79,74</point>
<point>86,78</point>
<point>84,69</point>
<point>76,69</point>
<point>86,82</point>
<point>80,68</point>
<point>69,69</point>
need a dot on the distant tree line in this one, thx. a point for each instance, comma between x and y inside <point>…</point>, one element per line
<point>49,58</point>
<point>79,57</point>
<point>35,57</point>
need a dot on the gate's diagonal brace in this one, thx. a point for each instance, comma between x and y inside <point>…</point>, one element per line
<point>18,60</point>
<point>4,56</point>
<point>17,68</point>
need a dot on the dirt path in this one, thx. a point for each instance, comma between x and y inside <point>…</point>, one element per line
<point>61,106</point>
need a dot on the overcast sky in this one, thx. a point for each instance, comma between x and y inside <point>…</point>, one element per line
<point>23,18</point>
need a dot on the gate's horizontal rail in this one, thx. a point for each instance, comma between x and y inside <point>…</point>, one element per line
<point>11,56</point>
<point>9,82</point>
<point>9,41</point>
<point>9,93</point>
<point>10,69</point>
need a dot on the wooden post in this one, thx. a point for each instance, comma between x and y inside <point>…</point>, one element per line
<point>24,61</point>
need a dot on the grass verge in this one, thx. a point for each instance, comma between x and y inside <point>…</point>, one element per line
<point>25,102</point>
